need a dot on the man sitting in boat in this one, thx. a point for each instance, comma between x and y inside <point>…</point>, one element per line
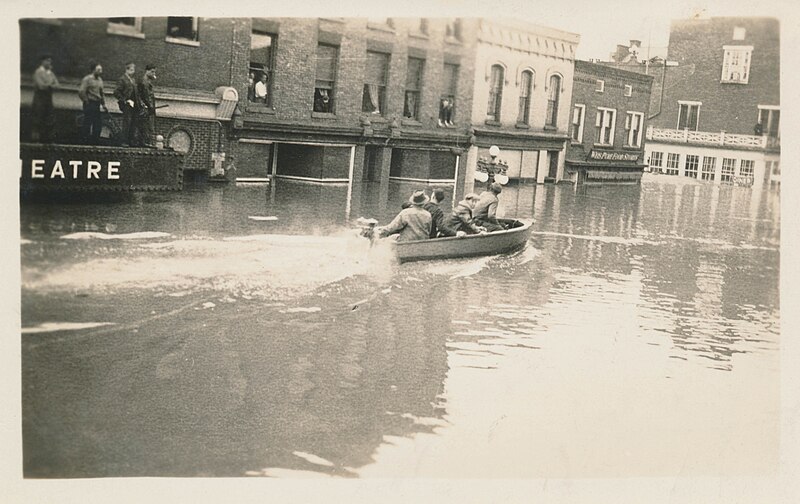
<point>412,223</point>
<point>437,216</point>
<point>484,213</point>
<point>459,222</point>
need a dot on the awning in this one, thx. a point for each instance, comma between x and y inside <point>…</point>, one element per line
<point>228,99</point>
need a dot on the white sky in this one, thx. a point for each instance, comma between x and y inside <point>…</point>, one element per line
<point>602,24</point>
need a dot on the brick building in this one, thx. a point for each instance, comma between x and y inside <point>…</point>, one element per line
<point>609,115</point>
<point>719,118</point>
<point>522,92</point>
<point>193,73</point>
<point>329,100</point>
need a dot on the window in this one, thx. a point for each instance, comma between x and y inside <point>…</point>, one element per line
<point>633,125</point>
<point>495,93</point>
<point>261,68</point>
<point>525,85</point>
<point>709,166</point>
<point>452,30</point>
<point>656,160</point>
<point>747,168</point>
<point>180,29</point>
<point>604,126</point>
<point>413,87</point>
<point>552,100</point>
<point>688,115</point>
<point>628,90</point>
<point>578,113</point>
<point>130,26</point>
<point>374,95</point>
<point>447,100</point>
<point>673,161</point>
<point>736,64</point>
<point>739,33</point>
<point>690,166</point>
<point>325,79</point>
<point>769,120</point>
<point>728,169</point>
<point>601,86</point>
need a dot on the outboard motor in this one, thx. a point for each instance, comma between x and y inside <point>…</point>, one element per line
<point>367,228</point>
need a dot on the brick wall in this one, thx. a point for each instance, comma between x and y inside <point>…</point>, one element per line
<point>613,97</point>
<point>697,46</point>
<point>74,42</point>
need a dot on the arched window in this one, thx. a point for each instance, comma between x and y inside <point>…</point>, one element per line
<point>495,93</point>
<point>525,85</point>
<point>553,93</point>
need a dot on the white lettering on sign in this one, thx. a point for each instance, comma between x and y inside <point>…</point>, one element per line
<point>113,170</point>
<point>90,170</point>
<point>37,165</point>
<point>57,170</point>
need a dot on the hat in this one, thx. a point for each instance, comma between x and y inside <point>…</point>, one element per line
<point>472,196</point>
<point>418,198</point>
<point>496,188</point>
<point>150,66</point>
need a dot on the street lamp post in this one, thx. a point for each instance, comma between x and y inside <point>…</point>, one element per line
<point>492,169</point>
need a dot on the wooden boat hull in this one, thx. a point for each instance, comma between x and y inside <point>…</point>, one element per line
<point>57,168</point>
<point>497,242</point>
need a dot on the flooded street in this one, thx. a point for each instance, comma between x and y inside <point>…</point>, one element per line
<point>246,331</point>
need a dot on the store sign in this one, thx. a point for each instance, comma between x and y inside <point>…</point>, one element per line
<point>603,155</point>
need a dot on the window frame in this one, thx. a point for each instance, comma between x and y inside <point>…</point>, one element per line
<point>525,100</point>
<point>688,104</point>
<point>628,90</point>
<point>126,30</point>
<point>495,105</point>
<point>269,67</point>
<point>771,111</point>
<point>729,52</point>
<point>751,164</point>
<point>194,41</point>
<point>628,127</point>
<point>553,100</point>
<point>656,155</point>
<point>670,167</point>
<point>691,165</point>
<point>417,90</point>
<point>332,89</point>
<point>448,94</point>
<point>728,170</point>
<point>601,128</point>
<point>576,134</point>
<point>382,86</point>
<point>709,168</point>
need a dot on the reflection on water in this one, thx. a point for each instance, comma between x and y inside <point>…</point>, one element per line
<point>201,341</point>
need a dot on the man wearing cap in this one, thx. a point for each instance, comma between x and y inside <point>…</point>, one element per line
<point>127,96</point>
<point>44,81</point>
<point>485,211</point>
<point>146,114</point>
<point>412,223</point>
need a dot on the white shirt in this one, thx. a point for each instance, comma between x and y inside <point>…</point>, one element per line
<point>261,89</point>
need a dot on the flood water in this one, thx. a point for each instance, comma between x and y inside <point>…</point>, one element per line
<point>245,331</point>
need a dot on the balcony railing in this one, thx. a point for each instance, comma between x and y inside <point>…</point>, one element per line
<point>712,138</point>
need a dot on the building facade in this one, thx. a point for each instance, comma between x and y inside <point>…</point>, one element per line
<point>328,100</point>
<point>607,124</point>
<point>719,118</point>
<point>522,91</point>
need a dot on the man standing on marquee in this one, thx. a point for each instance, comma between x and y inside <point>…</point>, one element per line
<point>127,96</point>
<point>94,104</point>
<point>146,114</point>
<point>44,80</point>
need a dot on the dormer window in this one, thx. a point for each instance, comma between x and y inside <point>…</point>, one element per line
<point>600,87</point>
<point>739,33</point>
<point>736,64</point>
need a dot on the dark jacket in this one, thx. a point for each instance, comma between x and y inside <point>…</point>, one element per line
<point>126,90</point>
<point>412,223</point>
<point>459,220</point>
<point>147,95</point>
<point>437,217</point>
